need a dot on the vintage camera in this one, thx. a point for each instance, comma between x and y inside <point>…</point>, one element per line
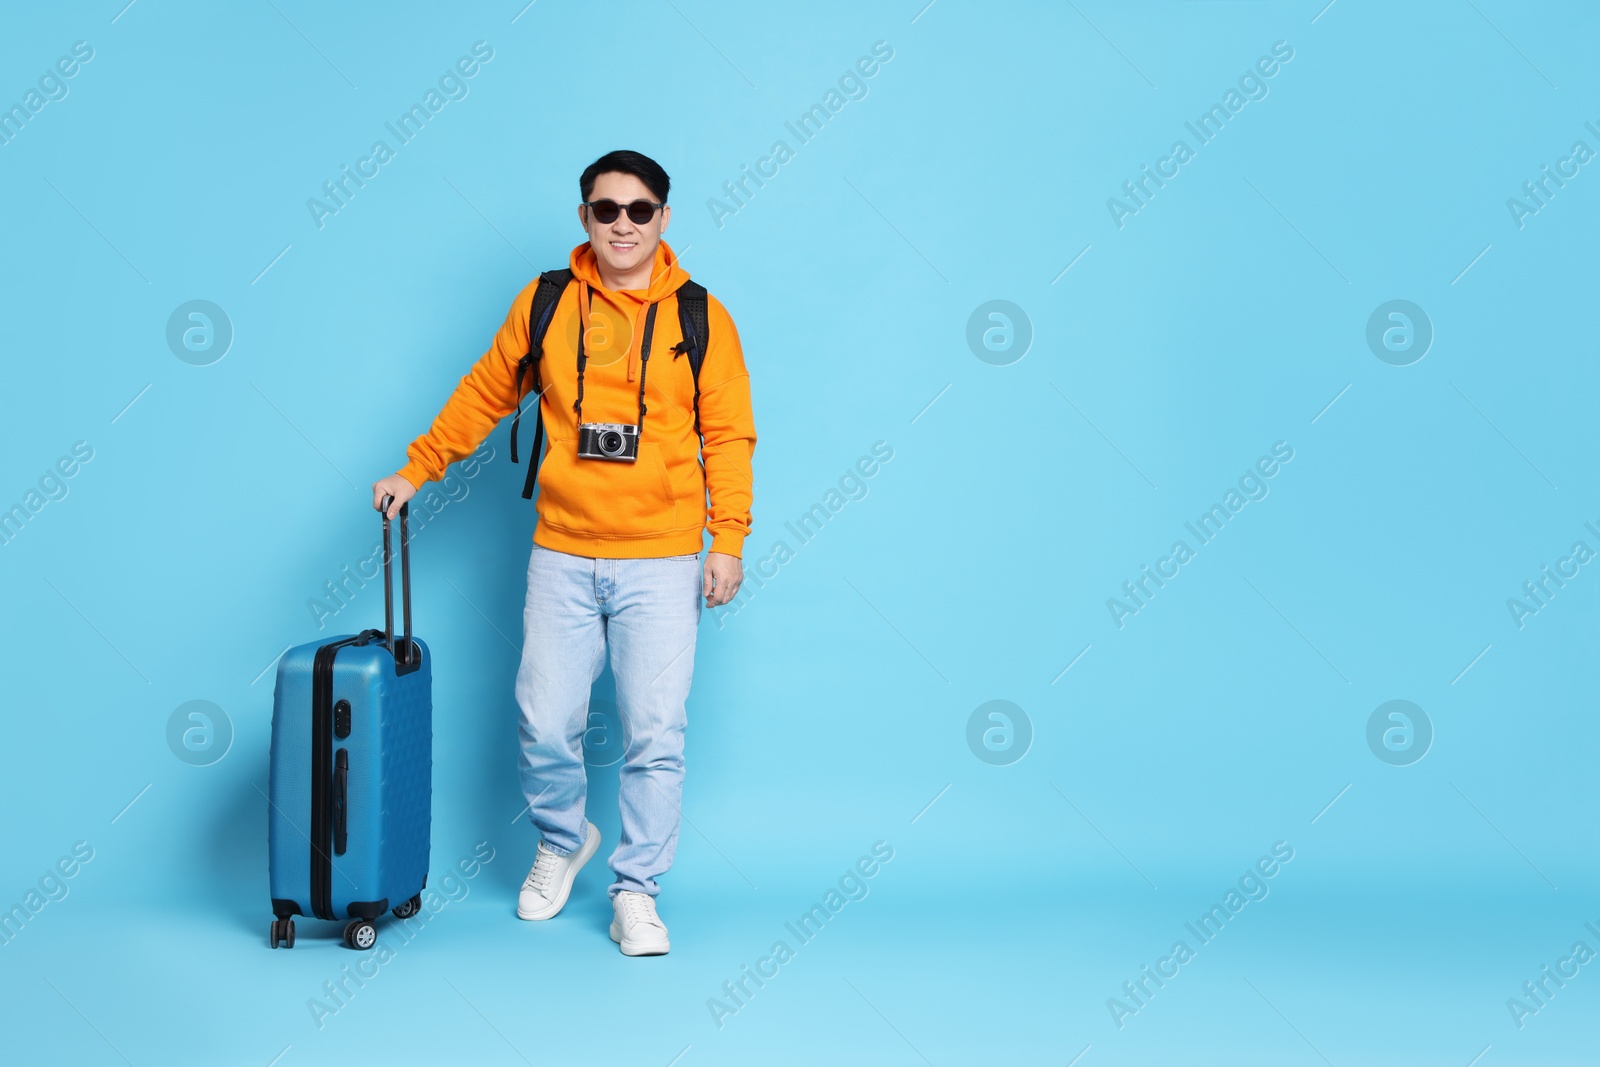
<point>608,440</point>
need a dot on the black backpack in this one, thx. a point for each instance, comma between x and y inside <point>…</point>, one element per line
<point>552,283</point>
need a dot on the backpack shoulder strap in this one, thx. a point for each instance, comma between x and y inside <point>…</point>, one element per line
<point>696,335</point>
<point>552,283</point>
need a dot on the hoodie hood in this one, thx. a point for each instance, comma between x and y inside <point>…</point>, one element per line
<point>626,305</point>
<point>665,274</point>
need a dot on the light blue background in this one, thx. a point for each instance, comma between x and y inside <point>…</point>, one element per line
<point>832,707</point>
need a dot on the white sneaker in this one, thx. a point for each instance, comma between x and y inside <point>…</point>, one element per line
<point>545,891</point>
<point>637,928</point>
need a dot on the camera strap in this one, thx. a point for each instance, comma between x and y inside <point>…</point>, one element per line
<point>692,320</point>
<point>644,356</point>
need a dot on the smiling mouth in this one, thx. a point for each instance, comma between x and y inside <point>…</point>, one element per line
<point>624,246</point>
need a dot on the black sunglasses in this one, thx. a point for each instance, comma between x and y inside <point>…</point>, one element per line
<point>606,211</point>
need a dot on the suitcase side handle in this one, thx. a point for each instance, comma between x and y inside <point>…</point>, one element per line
<point>341,801</point>
<point>406,657</point>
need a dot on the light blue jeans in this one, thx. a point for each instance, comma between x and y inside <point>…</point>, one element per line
<point>648,611</point>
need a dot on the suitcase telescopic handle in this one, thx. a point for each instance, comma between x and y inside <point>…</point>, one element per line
<point>405,656</point>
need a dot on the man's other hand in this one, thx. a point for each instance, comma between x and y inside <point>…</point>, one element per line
<point>394,486</point>
<point>721,579</point>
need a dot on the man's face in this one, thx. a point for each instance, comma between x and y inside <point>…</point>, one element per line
<point>623,245</point>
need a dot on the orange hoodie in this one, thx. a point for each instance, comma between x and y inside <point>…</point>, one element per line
<point>655,506</point>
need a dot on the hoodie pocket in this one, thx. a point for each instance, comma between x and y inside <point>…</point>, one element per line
<point>686,481</point>
<point>603,496</point>
<point>559,499</point>
<point>668,498</point>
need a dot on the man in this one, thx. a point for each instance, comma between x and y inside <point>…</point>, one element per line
<point>616,545</point>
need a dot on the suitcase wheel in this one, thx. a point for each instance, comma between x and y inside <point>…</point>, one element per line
<point>361,934</point>
<point>282,932</point>
<point>409,908</point>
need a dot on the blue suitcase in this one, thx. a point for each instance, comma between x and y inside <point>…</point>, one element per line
<point>352,769</point>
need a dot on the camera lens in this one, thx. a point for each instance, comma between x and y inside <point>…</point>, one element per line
<point>611,442</point>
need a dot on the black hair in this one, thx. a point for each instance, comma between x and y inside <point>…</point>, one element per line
<point>622,161</point>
